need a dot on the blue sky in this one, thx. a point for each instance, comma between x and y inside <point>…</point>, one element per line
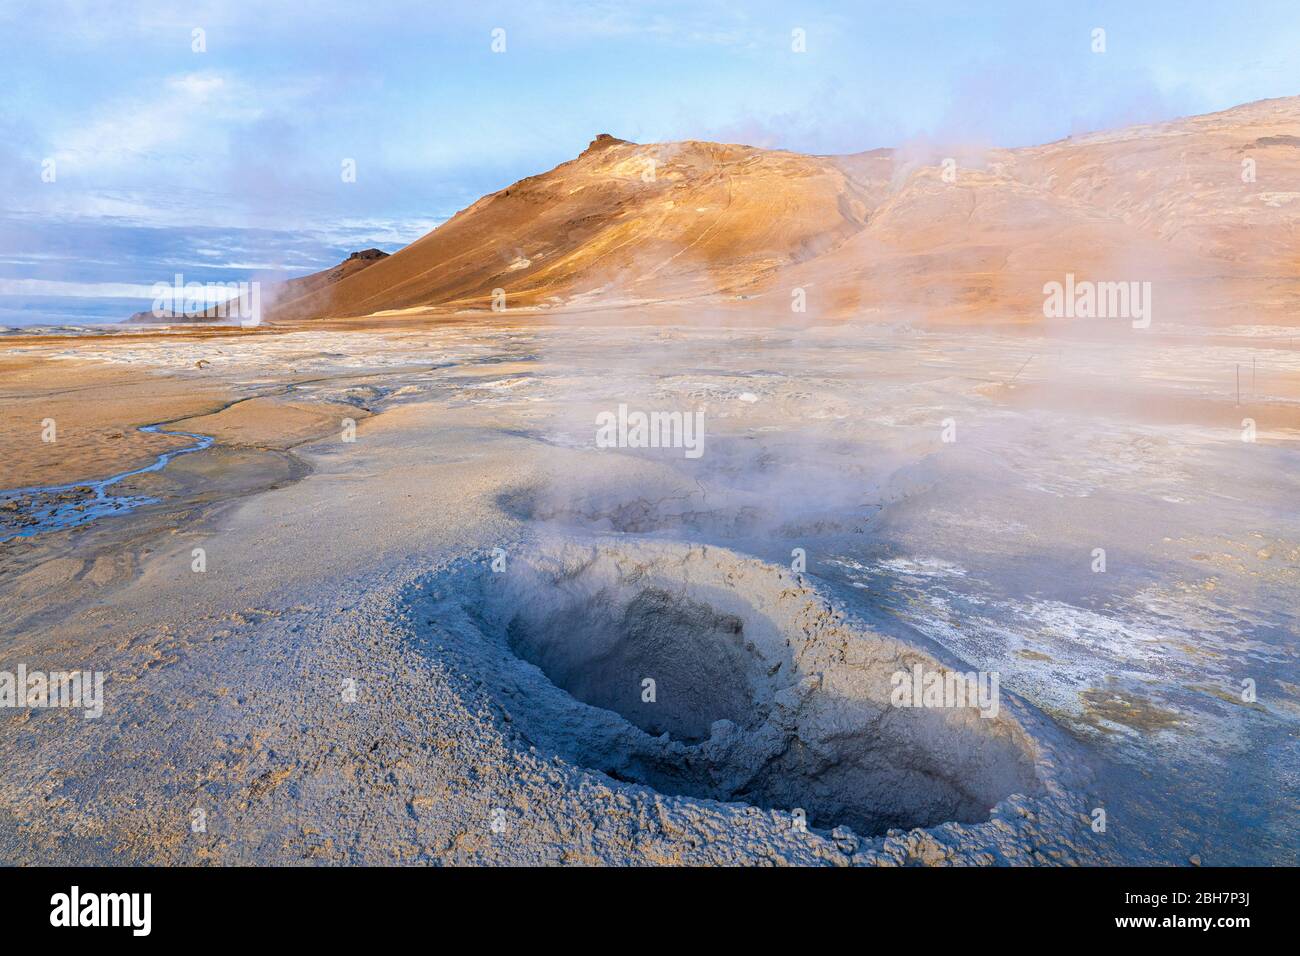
<point>227,163</point>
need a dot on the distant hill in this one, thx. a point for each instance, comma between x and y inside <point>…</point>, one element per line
<point>281,296</point>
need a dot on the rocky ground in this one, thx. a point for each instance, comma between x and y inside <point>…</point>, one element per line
<point>422,587</point>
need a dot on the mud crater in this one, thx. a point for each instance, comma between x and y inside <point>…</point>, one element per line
<point>787,503</point>
<point>716,514</point>
<point>763,693</point>
<point>696,658</point>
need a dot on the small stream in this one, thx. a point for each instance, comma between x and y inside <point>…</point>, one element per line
<point>26,512</point>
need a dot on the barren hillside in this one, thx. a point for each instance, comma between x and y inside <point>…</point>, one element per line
<point>1206,207</point>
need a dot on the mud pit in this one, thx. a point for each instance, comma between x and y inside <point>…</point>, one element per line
<point>754,493</point>
<point>763,693</point>
<point>695,656</point>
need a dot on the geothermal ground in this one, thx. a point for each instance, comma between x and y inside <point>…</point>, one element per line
<point>427,601</point>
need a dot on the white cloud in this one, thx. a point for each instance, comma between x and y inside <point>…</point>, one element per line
<point>181,117</point>
<point>86,290</point>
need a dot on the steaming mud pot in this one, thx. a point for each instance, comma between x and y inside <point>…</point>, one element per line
<point>700,673</point>
<point>750,491</point>
<point>366,564</point>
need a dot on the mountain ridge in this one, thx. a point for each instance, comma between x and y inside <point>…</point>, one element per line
<point>906,230</point>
